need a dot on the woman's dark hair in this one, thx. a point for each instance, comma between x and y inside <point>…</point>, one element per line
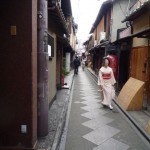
<point>106,58</point>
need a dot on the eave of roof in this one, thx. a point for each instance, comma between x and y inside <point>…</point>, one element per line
<point>137,12</point>
<point>102,45</point>
<point>57,15</point>
<point>60,13</point>
<point>102,10</point>
<point>141,34</point>
<point>66,7</point>
<point>66,44</point>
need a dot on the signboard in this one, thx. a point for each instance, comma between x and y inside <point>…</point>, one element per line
<point>49,51</point>
<point>125,33</point>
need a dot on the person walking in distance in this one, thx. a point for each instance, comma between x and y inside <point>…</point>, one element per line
<point>76,65</point>
<point>106,83</point>
<point>83,63</point>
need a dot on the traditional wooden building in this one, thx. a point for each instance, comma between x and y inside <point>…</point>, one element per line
<point>105,32</point>
<point>120,46</point>
<point>137,37</point>
<point>139,18</point>
<point>57,29</point>
<point>60,24</point>
<point>32,44</point>
<point>88,44</point>
<point>73,43</point>
<point>101,34</point>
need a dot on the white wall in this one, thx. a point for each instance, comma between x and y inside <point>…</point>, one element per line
<point>52,72</point>
<point>118,14</point>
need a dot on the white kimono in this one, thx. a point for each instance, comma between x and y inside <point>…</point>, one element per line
<point>106,80</point>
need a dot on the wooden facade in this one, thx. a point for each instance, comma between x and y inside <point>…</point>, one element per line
<point>140,68</point>
<point>100,34</point>
<point>140,50</point>
<point>100,28</point>
<point>18,77</point>
<point>138,63</point>
<point>140,53</point>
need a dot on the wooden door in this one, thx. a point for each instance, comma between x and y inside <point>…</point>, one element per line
<point>138,64</point>
<point>140,69</point>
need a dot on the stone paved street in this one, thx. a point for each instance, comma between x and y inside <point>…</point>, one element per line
<point>89,126</point>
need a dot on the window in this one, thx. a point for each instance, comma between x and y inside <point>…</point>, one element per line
<point>50,46</point>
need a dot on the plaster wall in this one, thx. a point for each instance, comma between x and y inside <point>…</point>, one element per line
<point>52,72</point>
<point>118,14</point>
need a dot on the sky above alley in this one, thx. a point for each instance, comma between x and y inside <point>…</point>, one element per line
<point>85,13</point>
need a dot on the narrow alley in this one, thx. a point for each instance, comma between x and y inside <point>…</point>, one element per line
<point>90,126</point>
<point>44,105</point>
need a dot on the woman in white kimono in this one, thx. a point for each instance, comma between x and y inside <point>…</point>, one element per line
<point>106,83</point>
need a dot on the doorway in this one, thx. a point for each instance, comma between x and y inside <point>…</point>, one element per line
<point>123,73</point>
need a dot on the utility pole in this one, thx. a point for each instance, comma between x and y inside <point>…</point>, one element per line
<point>42,62</point>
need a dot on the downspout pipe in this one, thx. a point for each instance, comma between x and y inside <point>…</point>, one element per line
<point>42,62</point>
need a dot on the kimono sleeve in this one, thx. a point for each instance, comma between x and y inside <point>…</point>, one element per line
<point>100,79</point>
<point>113,81</point>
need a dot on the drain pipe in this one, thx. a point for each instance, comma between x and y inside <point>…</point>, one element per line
<point>42,74</point>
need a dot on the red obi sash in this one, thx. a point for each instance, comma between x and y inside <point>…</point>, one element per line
<point>106,76</point>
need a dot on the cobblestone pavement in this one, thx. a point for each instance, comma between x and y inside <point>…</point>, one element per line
<point>89,126</point>
<point>56,117</point>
